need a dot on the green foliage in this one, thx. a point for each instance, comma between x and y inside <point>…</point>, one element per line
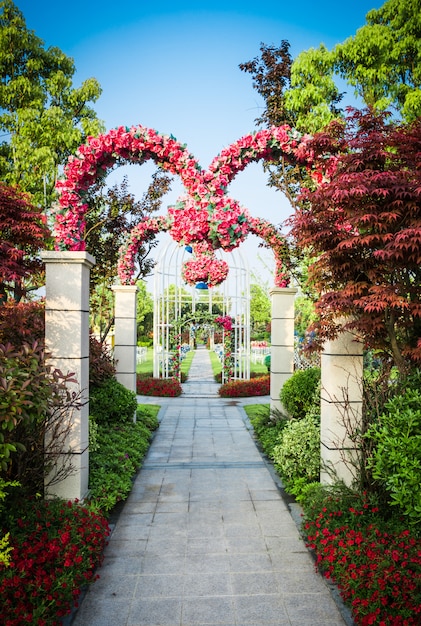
<point>396,459</point>
<point>313,95</point>
<point>112,403</point>
<point>300,394</point>
<point>120,450</point>
<point>297,455</point>
<point>266,427</point>
<point>32,400</point>
<point>260,307</point>
<point>45,117</point>
<point>382,60</point>
<point>304,315</point>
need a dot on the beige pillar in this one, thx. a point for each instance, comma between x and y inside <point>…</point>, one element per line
<point>282,341</point>
<point>341,407</point>
<point>67,338</point>
<point>125,334</point>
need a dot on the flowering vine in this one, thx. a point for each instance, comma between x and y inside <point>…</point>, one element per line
<point>275,240</point>
<point>204,215</point>
<point>227,366</point>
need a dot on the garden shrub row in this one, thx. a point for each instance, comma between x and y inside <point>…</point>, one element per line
<point>49,550</point>
<point>161,387</point>
<point>259,386</point>
<point>366,540</point>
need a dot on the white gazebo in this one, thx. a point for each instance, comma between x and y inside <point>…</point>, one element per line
<point>177,303</point>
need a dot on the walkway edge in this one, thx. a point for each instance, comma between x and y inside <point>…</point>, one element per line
<point>296,512</point>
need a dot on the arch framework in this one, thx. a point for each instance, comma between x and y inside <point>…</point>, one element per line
<point>177,304</point>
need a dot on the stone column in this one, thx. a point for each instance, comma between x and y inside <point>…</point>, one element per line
<point>125,334</point>
<point>341,406</point>
<point>282,341</point>
<point>67,338</point>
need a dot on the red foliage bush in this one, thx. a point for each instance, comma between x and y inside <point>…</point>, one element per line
<point>162,387</point>
<point>101,364</point>
<point>22,322</point>
<point>246,388</point>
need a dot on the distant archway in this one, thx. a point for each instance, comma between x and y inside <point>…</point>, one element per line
<point>179,307</point>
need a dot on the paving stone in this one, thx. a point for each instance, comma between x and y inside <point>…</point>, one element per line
<point>205,537</point>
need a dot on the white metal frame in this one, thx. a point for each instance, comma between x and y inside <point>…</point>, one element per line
<point>168,306</point>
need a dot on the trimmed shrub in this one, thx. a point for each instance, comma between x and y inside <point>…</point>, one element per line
<point>161,387</point>
<point>300,394</point>
<point>396,459</point>
<point>297,456</point>
<point>266,425</point>
<point>246,388</point>
<point>112,403</point>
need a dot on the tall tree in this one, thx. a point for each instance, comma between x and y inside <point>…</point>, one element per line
<point>382,62</point>
<point>43,117</point>
<point>362,223</point>
<point>271,74</point>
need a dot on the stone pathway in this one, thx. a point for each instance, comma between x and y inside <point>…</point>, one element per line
<point>205,537</point>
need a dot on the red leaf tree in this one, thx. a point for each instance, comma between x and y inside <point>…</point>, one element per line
<point>23,233</point>
<point>362,223</point>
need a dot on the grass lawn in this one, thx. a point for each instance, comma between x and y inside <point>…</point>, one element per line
<point>146,367</point>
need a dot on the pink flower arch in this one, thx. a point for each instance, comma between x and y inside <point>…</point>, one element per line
<point>205,218</point>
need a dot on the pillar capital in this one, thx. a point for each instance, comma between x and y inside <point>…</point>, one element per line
<point>68,256</point>
<point>283,291</point>
<point>125,288</point>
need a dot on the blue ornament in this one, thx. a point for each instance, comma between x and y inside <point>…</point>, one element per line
<point>201,285</point>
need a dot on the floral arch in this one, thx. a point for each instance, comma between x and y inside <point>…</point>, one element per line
<point>205,218</point>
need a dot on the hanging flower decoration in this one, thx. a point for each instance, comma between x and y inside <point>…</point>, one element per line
<point>204,214</point>
<point>205,267</point>
<point>229,225</point>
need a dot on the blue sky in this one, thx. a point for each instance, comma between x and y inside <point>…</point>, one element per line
<point>173,66</point>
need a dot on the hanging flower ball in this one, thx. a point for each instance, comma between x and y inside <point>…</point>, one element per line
<point>206,269</point>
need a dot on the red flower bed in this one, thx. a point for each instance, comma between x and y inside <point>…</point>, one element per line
<point>56,549</point>
<point>162,387</point>
<point>378,572</point>
<point>246,388</point>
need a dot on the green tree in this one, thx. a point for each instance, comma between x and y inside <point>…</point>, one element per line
<point>260,307</point>
<point>144,309</point>
<point>42,115</point>
<point>271,74</point>
<point>382,62</point>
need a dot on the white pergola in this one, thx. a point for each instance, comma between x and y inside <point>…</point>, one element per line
<point>173,297</point>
